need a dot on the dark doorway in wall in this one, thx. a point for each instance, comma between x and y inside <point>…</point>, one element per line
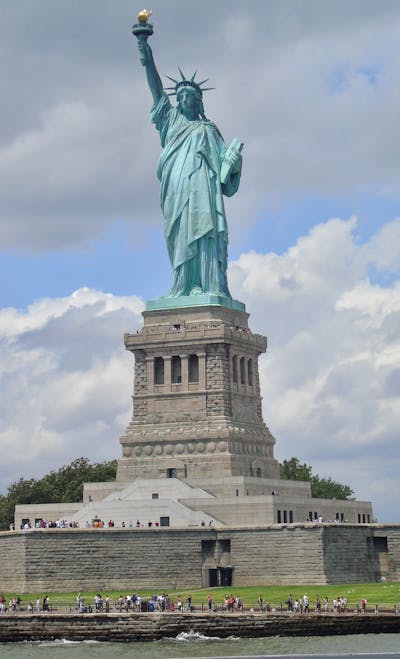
<point>226,576</point>
<point>213,578</point>
<point>380,545</point>
<point>220,576</point>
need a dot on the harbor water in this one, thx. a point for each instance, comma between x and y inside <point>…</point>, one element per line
<point>196,645</point>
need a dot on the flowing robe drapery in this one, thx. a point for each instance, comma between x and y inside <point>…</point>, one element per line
<point>192,200</point>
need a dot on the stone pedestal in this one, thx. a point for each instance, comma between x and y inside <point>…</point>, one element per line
<point>197,452</point>
<point>196,403</point>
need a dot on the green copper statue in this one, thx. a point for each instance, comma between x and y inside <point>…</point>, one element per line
<point>196,169</point>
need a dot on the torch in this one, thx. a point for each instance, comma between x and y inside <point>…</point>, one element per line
<point>142,29</point>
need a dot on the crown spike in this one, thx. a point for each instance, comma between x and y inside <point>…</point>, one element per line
<point>187,82</point>
<point>172,79</point>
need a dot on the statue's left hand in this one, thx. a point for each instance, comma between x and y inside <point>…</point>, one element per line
<point>235,158</point>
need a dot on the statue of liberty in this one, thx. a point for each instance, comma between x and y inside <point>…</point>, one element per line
<point>195,169</point>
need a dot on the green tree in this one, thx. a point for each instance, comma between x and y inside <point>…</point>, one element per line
<point>322,488</point>
<point>292,470</point>
<point>62,486</point>
<point>6,513</point>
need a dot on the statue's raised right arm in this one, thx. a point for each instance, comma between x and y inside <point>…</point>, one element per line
<point>153,78</point>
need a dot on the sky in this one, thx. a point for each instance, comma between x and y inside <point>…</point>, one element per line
<point>312,89</point>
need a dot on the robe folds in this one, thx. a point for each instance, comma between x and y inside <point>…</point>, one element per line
<point>195,224</point>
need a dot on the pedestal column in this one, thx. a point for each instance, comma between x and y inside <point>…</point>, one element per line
<point>167,372</point>
<point>185,371</point>
<point>202,370</point>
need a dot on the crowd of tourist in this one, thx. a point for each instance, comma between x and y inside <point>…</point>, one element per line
<point>230,603</point>
<point>95,523</point>
<point>302,605</point>
<point>51,524</point>
<point>164,603</point>
<point>322,520</point>
<point>98,523</point>
<point>15,605</point>
<point>134,602</point>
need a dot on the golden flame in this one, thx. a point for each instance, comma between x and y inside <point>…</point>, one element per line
<point>144,15</point>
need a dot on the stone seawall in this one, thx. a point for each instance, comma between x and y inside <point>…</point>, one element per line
<point>151,627</point>
<point>284,555</point>
<point>60,560</point>
<point>67,560</point>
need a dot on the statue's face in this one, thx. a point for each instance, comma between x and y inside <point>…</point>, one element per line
<point>188,101</point>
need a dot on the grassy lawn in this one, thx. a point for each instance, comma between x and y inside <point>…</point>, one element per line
<point>385,595</point>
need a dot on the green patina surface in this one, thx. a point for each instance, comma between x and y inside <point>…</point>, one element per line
<point>184,301</point>
<point>196,170</point>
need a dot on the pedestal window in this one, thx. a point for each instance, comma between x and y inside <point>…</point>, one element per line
<point>234,369</point>
<point>250,372</point>
<point>193,368</point>
<point>242,371</point>
<point>176,370</point>
<point>158,370</point>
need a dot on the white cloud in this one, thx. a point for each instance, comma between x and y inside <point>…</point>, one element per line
<point>383,251</point>
<point>331,380</point>
<point>76,172</point>
<point>15,322</point>
<point>65,379</point>
<point>313,94</point>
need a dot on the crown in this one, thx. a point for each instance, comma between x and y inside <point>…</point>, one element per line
<point>184,82</point>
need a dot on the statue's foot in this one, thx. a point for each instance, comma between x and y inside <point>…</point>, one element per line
<point>196,290</point>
